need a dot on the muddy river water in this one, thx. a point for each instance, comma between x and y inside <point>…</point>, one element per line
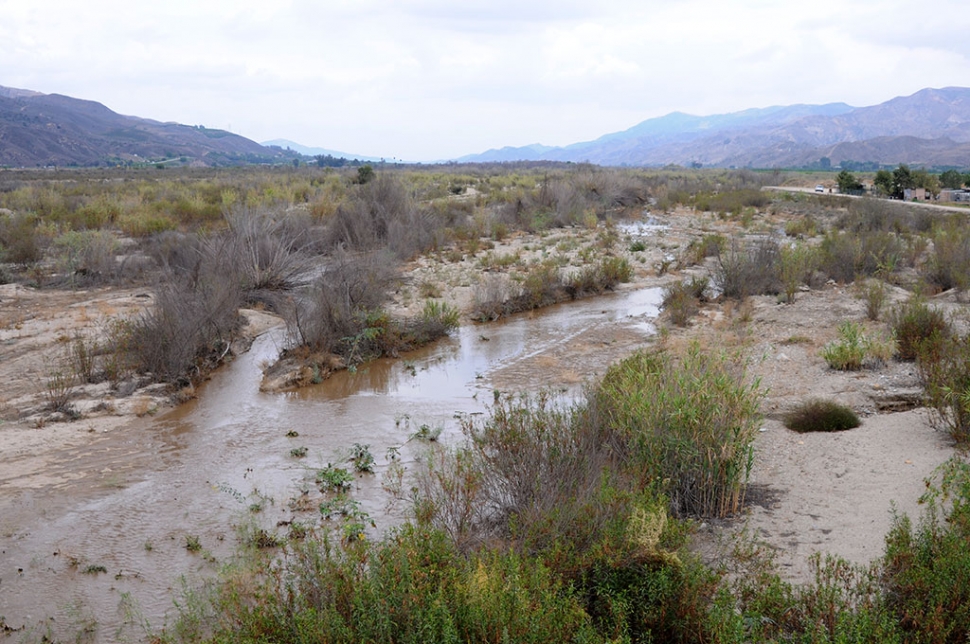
<point>97,549</point>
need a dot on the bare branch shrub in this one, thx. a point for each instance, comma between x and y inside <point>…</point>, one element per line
<point>741,272</point>
<point>383,215</point>
<point>270,250</point>
<point>87,257</point>
<point>193,319</point>
<point>489,296</point>
<point>331,308</point>
<point>20,240</point>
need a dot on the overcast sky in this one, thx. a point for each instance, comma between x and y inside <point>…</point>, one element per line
<point>431,79</point>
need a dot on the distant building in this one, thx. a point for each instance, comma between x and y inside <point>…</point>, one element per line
<point>914,194</point>
<point>960,195</point>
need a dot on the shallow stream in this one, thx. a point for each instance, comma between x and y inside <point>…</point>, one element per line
<point>102,548</point>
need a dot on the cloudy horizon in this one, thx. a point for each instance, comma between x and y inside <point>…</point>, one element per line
<point>423,80</point>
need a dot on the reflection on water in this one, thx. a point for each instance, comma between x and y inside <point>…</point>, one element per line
<point>225,459</point>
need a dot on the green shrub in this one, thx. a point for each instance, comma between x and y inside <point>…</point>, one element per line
<point>688,423</point>
<point>801,227</point>
<point>821,416</point>
<point>681,300</point>
<point>855,350</point>
<point>848,353</point>
<point>943,364</point>
<point>846,255</point>
<point>795,268</point>
<point>874,293</point>
<point>615,270</point>
<point>710,245</point>
<point>926,569</point>
<point>913,322</point>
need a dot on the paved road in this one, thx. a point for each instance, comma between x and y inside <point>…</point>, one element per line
<point>921,204</point>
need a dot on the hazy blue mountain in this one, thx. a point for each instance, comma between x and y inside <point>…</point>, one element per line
<point>312,151</point>
<point>929,127</point>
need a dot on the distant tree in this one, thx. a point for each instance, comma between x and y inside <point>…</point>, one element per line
<point>825,163</point>
<point>296,163</point>
<point>330,161</point>
<point>902,181</point>
<point>951,179</point>
<point>884,182</point>
<point>848,183</point>
<point>365,174</point>
<point>925,180</point>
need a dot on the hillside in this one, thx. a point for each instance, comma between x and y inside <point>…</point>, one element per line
<point>51,129</point>
<point>930,127</point>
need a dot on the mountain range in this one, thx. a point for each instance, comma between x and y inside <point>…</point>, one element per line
<point>50,129</point>
<point>929,128</point>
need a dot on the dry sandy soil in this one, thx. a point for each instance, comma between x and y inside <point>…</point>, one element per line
<point>817,492</point>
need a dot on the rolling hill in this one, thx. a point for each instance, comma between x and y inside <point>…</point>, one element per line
<point>50,129</point>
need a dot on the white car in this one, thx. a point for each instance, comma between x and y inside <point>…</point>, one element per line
<point>819,188</point>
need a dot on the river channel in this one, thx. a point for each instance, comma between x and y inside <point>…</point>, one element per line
<point>102,550</point>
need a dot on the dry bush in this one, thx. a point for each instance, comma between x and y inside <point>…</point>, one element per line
<point>331,308</point>
<point>949,263</point>
<point>87,257</point>
<point>489,297</point>
<point>268,250</point>
<point>532,474</point>
<point>870,215</point>
<point>741,272</point>
<point>192,322</point>
<point>20,240</point>
<point>382,214</point>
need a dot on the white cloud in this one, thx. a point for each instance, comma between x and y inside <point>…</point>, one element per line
<point>427,79</point>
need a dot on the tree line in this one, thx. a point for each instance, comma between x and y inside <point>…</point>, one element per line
<point>894,183</point>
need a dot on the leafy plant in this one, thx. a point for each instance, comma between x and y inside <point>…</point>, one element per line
<point>854,349</point>
<point>427,433</point>
<point>334,479</point>
<point>927,567</point>
<point>688,422</point>
<point>361,457</point>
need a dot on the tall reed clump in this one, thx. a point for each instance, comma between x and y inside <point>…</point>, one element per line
<point>914,322</point>
<point>688,422</point>
<point>943,365</point>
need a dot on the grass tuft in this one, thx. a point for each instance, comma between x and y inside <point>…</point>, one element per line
<point>821,416</point>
